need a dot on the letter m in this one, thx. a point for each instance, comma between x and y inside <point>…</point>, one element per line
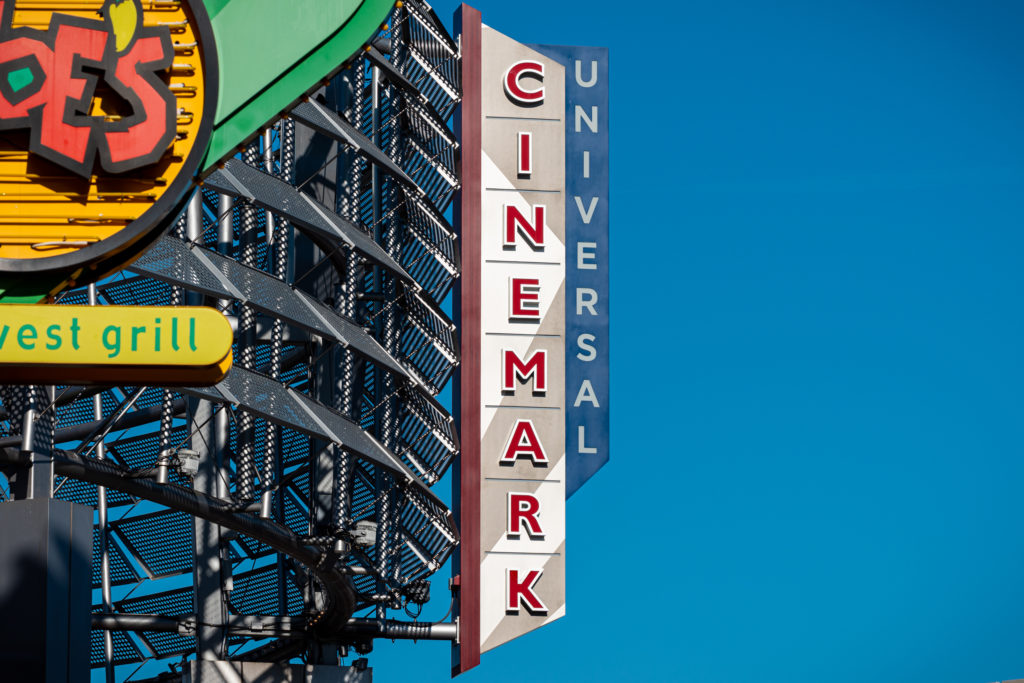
<point>513,368</point>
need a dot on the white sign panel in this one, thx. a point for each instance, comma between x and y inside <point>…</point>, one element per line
<point>512,386</point>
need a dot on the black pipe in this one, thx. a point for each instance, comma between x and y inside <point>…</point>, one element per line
<point>355,628</point>
<point>338,590</point>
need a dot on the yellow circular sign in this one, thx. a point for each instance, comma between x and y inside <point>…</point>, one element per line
<point>105,112</point>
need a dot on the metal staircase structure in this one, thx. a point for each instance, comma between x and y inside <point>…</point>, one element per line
<point>254,518</point>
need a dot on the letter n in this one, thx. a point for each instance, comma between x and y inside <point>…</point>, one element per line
<point>516,221</point>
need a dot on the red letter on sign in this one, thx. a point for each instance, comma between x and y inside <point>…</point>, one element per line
<point>65,88</point>
<point>523,509</point>
<point>533,232</point>
<point>525,298</point>
<point>516,92</point>
<point>519,591</point>
<point>525,155</point>
<point>152,129</point>
<point>523,442</point>
<point>536,367</point>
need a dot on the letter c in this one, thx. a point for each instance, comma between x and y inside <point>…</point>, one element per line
<point>516,92</point>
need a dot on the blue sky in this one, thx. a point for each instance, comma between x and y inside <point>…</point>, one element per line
<point>817,349</point>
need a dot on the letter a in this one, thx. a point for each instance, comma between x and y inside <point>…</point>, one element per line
<point>523,442</point>
<point>586,394</point>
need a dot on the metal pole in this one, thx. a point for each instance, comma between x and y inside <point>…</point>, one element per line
<point>167,402</point>
<point>101,511</point>
<point>225,232</point>
<point>277,252</point>
<point>268,166</point>
<point>392,244</point>
<point>194,218</point>
<point>225,244</point>
<point>374,172</point>
<point>375,183</point>
<point>347,204</point>
<point>210,642</point>
<point>209,603</point>
<point>284,265</point>
<point>36,480</point>
<point>245,473</point>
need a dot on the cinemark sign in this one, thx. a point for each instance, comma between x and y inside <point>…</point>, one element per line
<point>511,394</point>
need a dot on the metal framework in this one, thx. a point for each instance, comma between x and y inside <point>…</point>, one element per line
<point>272,507</point>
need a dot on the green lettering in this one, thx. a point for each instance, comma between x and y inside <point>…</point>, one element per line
<point>192,333</point>
<point>156,333</point>
<point>136,331</point>
<point>27,333</point>
<point>174,333</point>
<point>51,332</point>
<point>115,346</point>
<point>74,333</point>
<point>3,335</point>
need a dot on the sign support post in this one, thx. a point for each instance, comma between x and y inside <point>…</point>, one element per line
<point>466,404</point>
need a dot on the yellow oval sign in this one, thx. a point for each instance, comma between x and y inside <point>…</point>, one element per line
<point>158,345</point>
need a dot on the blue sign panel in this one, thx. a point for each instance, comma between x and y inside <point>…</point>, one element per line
<point>586,248</point>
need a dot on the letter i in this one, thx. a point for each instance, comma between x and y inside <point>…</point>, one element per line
<point>525,155</point>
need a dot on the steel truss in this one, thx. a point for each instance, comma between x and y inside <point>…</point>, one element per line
<point>247,511</point>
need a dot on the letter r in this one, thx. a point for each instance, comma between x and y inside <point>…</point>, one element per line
<point>523,509</point>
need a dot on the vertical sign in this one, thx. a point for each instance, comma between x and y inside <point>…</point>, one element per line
<point>511,393</point>
<point>586,228</point>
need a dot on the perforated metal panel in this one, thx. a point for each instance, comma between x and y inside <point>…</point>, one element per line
<point>124,649</point>
<point>155,541</point>
<point>265,591</point>
<point>237,179</point>
<point>331,124</point>
<point>120,572</point>
<point>228,279</point>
